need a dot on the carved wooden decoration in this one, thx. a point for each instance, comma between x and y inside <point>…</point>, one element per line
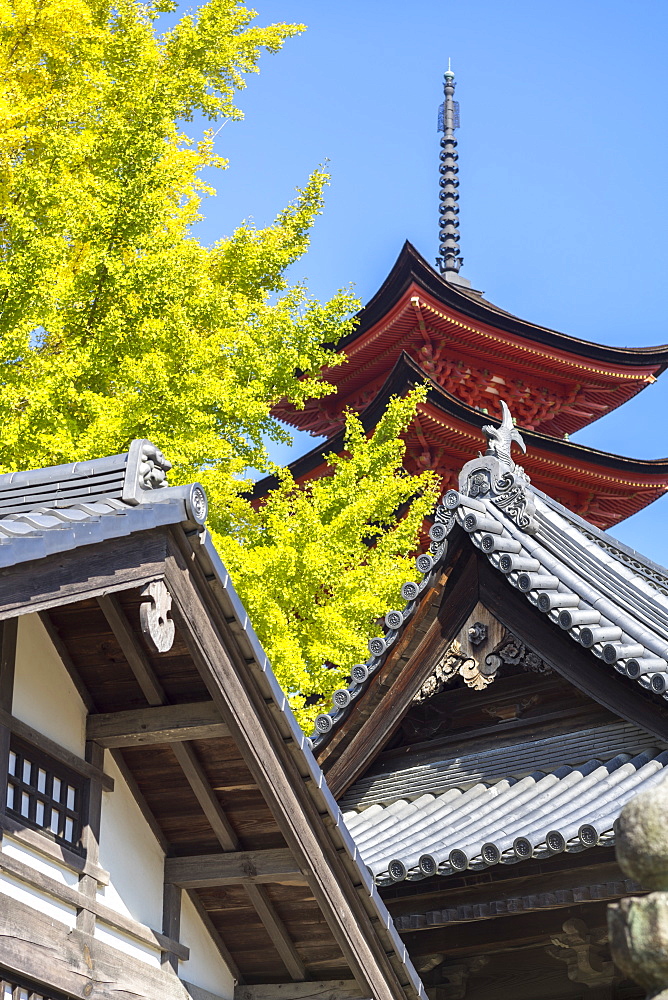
<point>582,951</point>
<point>154,615</point>
<point>482,647</point>
<point>479,636</point>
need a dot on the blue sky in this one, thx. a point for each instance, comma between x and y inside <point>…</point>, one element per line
<point>564,204</point>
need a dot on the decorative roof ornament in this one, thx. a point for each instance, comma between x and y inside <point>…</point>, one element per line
<point>495,477</point>
<point>450,260</point>
<point>500,439</point>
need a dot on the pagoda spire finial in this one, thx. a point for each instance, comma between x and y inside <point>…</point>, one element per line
<point>450,260</point>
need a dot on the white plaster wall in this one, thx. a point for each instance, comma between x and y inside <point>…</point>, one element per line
<point>24,893</point>
<point>44,695</point>
<point>131,855</point>
<point>127,944</point>
<point>46,866</point>
<point>205,967</point>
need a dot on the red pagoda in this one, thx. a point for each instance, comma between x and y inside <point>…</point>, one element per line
<point>429,326</point>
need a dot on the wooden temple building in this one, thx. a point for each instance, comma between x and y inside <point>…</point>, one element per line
<point>165,832</point>
<point>429,326</point>
<point>483,752</point>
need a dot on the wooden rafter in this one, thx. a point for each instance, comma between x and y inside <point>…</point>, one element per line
<point>206,796</point>
<point>65,658</point>
<point>133,652</point>
<point>277,932</point>
<point>155,695</point>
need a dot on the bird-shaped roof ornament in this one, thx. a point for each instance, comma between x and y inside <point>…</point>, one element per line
<point>500,439</point>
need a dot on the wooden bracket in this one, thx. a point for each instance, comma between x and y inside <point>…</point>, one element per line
<point>154,615</point>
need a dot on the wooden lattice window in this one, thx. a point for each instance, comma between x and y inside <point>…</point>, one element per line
<point>13,989</point>
<point>44,794</point>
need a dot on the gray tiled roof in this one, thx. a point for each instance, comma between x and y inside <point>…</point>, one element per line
<point>608,600</point>
<point>433,771</point>
<point>62,507</point>
<point>503,805</point>
<point>475,826</point>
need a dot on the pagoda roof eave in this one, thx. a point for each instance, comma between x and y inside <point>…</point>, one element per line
<point>406,375</point>
<point>411,268</point>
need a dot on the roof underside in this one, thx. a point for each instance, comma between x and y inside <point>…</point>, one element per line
<point>205,794</point>
<point>184,826</point>
<point>113,687</point>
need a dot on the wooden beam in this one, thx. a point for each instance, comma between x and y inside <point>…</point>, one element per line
<point>277,932</point>
<point>334,989</point>
<point>171,923</point>
<point>8,634</point>
<point>90,838</point>
<point>184,753</point>
<point>234,868</point>
<point>46,951</point>
<point>495,909</point>
<point>8,637</point>
<point>159,724</point>
<point>512,933</point>
<point>133,652</point>
<point>73,897</point>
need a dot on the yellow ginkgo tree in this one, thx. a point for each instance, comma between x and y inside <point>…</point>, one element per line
<point>116,322</point>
